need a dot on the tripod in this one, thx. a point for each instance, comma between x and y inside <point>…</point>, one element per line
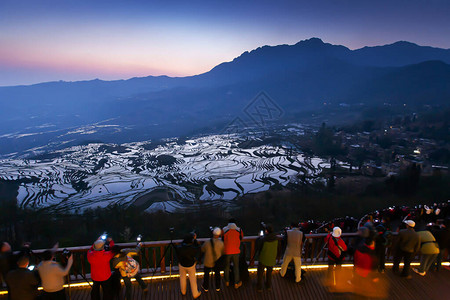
<point>171,246</point>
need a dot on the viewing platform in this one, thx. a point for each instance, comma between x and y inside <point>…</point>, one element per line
<point>164,283</point>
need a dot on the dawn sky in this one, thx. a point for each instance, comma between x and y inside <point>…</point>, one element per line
<point>51,40</point>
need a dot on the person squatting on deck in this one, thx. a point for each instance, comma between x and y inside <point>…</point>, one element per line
<point>232,236</point>
<point>295,239</point>
<point>213,250</point>
<point>52,276</point>
<point>408,244</point>
<point>188,254</point>
<point>99,259</point>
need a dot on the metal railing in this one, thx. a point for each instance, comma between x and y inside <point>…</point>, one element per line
<point>152,261</point>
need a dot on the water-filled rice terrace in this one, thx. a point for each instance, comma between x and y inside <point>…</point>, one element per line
<point>170,175</point>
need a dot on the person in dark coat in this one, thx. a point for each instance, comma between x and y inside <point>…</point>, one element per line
<point>188,254</point>
<point>8,259</point>
<point>442,235</point>
<point>408,244</point>
<point>22,283</point>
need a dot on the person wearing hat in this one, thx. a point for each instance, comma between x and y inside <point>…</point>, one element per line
<point>99,259</point>
<point>336,250</point>
<point>213,251</point>
<point>408,244</point>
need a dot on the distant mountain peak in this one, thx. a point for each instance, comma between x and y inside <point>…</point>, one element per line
<point>314,41</point>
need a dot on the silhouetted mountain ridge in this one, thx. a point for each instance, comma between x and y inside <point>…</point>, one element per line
<point>297,77</point>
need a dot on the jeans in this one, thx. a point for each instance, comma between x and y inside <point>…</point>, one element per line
<point>128,287</point>
<point>235,259</point>
<point>331,269</point>
<point>59,295</point>
<point>106,288</point>
<point>206,277</point>
<point>298,266</point>
<point>426,261</point>
<point>381,255</point>
<point>192,280</point>
<point>407,258</point>
<point>260,275</point>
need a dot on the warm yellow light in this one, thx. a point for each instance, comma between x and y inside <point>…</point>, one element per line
<point>252,270</point>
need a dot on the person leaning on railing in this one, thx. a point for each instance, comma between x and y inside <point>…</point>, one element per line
<point>408,244</point>
<point>429,250</point>
<point>52,276</point>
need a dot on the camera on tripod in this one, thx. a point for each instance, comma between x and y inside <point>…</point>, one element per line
<point>263,228</point>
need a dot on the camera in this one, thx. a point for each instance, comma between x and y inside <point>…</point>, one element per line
<point>139,238</point>
<point>66,253</point>
<point>31,267</point>
<point>263,229</point>
<point>104,236</point>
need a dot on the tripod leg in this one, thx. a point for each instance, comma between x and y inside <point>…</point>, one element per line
<point>68,283</point>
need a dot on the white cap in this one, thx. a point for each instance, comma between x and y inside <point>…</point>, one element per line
<point>410,223</point>
<point>217,231</point>
<point>336,232</point>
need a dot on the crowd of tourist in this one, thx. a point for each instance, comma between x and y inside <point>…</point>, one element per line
<point>223,252</point>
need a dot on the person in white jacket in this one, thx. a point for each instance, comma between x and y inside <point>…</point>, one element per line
<point>293,251</point>
<point>52,276</point>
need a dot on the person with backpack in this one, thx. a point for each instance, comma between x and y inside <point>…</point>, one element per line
<point>213,251</point>
<point>128,268</point>
<point>232,236</point>
<point>267,246</point>
<point>336,250</point>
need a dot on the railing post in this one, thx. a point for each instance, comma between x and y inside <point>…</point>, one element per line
<point>163,260</point>
<point>252,253</point>
<point>83,269</point>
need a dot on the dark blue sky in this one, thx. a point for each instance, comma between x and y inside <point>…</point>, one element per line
<point>73,40</point>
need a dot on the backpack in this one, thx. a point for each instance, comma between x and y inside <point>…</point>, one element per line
<point>131,267</point>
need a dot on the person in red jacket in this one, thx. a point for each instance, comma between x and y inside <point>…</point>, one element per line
<point>336,251</point>
<point>232,236</point>
<point>99,259</point>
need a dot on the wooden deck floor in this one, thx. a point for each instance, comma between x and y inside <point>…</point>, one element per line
<point>432,286</point>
